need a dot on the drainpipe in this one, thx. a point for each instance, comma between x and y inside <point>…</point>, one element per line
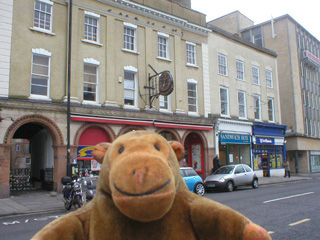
<point>68,88</point>
<point>296,159</point>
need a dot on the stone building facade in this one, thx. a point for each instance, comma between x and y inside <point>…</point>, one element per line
<point>243,96</point>
<point>299,81</point>
<point>119,51</point>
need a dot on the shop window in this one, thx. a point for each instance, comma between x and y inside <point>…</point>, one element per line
<point>273,153</point>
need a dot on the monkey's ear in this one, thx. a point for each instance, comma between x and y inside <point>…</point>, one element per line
<point>100,150</point>
<point>178,149</point>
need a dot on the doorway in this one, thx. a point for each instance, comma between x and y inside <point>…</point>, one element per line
<point>32,158</point>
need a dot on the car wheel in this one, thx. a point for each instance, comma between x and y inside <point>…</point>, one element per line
<point>255,183</point>
<point>199,189</point>
<point>229,186</point>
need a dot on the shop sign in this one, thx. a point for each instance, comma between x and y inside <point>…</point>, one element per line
<point>269,141</point>
<point>85,152</point>
<point>234,138</point>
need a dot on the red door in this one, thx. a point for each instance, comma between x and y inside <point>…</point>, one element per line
<point>194,153</point>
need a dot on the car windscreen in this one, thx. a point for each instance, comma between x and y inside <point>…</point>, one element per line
<point>190,173</point>
<point>224,170</point>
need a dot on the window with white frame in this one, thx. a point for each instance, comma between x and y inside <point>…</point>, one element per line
<point>192,96</point>
<point>269,79</point>
<point>240,70</point>
<point>242,104</point>
<point>222,62</point>
<point>90,81</point>
<point>130,88</point>
<point>43,14</point>
<point>224,101</point>
<point>91,26</point>
<point>255,75</point>
<point>163,45</point>
<point>40,77</point>
<point>129,37</point>
<point>164,102</point>
<point>270,110</point>
<point>191,53</point>
<point>256,107</point>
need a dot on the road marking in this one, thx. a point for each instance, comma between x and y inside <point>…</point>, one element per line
<point>301,221</point>
<point>298,195</point>
<point>270,232</point>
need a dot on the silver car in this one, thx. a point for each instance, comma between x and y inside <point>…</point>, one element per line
<point>229,177</point>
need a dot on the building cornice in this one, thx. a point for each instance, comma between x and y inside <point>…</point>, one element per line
<point>155,14</point>
<point>220,120</point>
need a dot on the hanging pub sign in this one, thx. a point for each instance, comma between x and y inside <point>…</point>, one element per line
<point>165,83</point>
<point>159,84</point>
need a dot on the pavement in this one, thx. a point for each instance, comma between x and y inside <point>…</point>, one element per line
<point>37,201</point>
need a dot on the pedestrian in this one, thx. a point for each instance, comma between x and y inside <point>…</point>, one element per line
<point>216,163</point>
<point>286,168</point>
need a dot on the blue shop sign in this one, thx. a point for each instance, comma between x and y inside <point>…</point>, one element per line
<point>85,152</point>
<point>234,138</point>
<point>268,141</point>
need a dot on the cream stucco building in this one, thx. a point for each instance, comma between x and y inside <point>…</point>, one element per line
<point>118,51</point>
<point>243,97</point>
<point>299,81</point>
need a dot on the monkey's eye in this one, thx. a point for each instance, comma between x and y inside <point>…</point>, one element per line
<point>121,149</point>
<point>156,146</point>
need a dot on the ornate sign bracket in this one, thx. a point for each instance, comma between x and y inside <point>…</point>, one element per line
<point>159,84</point>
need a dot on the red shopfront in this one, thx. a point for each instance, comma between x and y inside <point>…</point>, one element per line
<point>194,141</point>
<point>88,139</point>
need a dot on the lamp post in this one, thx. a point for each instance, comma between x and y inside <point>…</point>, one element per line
<point>68,88</point>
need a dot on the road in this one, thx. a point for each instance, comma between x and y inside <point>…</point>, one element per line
<point>288,211</point>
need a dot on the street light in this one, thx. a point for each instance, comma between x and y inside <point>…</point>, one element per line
<point>68,88</point>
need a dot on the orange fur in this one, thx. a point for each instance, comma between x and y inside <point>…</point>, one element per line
<point>141,195</point>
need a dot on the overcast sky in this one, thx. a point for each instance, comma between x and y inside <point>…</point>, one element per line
<point>305,12</point>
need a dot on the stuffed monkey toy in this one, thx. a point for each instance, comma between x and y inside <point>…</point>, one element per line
<point>141,195</point>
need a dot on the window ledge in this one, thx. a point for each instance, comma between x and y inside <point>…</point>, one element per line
<point>256,84</point>
<point>192,65</point>
<point>90,103</point>
<point>257,120</point>
<point>242,80</point>
<point>243,118</point>
<point>194,114</point>
<point>130,51</point>
<point>224,75</point>
<point>131,107</point>
<point>91,42</point>
<point>165,111</point>
<point>269,87</point>
<point>225,116</point>
<point>164,59</point>
<point>39,97</point>
<point>42,31</point>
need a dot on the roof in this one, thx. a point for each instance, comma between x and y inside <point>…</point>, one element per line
<point>238,39</point>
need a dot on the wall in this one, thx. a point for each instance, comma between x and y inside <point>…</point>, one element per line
<point>6,8</point>
<point>232,22</point>
<point>285,44</point>
<point>219,44</point>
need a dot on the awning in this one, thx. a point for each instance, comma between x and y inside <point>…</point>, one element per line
<point>140,122</point>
